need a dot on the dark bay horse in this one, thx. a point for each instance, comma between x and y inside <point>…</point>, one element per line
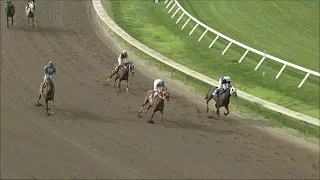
<point>10,10</point>
<point>222,100</point>
<point>122,74</point>
<point>157,103</point>
<point>48,94</point>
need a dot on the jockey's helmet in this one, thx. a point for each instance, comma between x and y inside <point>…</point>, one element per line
<point>50,63</point>
<point>228,78</point>
<point>161,82</point>
<point>124,52</point>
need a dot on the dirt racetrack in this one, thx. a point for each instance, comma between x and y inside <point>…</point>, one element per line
<point>95,132</point>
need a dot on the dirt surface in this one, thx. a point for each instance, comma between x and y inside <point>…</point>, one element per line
<point>95,131</point>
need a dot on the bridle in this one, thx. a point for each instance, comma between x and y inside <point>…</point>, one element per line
<point>163,93</point>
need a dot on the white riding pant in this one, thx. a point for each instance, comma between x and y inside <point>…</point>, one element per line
<point>121,61</point>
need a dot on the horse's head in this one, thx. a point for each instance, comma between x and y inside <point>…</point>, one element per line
<point>49,80</point>
<point>233,91</point>
<point>165,94</point>
<point>130,67</point>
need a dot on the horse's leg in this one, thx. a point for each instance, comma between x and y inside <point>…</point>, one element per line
<point>151,121</point>
<point>39,98</point>
<point>110,77</point>
<point>33,22</point>
<point>11,20</point>
<point>7,22</point>
<point>227,108</point>
<point>143,104</point>
<point>161,116</point>
<point>115,79</point>
<point>28,22</point>
<point>119,85</point>
<point>145,111</point>
<point>208,100</point>
<point>52,105</point>
<point>218,112</point>
<point>47,109</point>
<point>127,88</point>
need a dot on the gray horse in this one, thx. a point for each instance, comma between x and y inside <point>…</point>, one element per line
<point>10,10</point>
<point>48,94</point>
<point>157,103</point>
<point>30,11</point>
<point>122,74</point>
<point>222,100</point>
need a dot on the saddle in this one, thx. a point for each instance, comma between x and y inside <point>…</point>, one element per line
<point>219,92</point>
<point>116,69</point>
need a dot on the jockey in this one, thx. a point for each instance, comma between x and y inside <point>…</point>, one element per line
<point>49,71</point>
<point>157,85</point>
<point>9,3</point>
<point>29,2</point>
<point>223,81</point>
<point>122,58</point>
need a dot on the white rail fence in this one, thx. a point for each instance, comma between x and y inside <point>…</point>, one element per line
<point>111,26</point>
<point>174,3</point>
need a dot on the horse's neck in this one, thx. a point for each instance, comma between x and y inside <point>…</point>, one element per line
<point>50,84</point>
<point>158,99</point>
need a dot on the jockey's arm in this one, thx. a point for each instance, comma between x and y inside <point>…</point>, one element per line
<point>54,71</point>
<point>46,69</point>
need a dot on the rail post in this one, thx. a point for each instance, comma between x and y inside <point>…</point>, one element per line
<point>307,128</point>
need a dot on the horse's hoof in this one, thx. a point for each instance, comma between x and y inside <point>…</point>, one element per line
<point>150,121</point>
<point>139,115</point>
<point>225,114</point>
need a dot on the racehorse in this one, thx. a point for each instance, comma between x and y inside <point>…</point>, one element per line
<point>222,100</point>
<point>30,11</point>
<point>47,93</point>
<point>10,10</point>
<point>122,73</point>
<point>157,103</point>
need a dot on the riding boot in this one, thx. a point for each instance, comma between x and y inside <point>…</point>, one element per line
<point>117,68</point>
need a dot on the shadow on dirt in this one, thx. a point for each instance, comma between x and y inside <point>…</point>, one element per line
<point>45,30</point>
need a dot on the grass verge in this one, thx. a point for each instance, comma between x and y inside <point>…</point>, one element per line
<point>254,110</point>
<point>148,23</point>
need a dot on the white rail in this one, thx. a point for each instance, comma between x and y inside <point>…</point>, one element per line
<point>175,3</point>
<point>112,26</point>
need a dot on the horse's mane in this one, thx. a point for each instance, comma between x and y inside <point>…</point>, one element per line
<point>50,82</point>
